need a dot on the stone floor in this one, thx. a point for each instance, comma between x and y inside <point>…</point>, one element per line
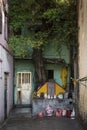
<point>21,119</point>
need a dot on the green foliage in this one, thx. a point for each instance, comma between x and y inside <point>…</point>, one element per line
<point>64,19</point>
<point>22,46</point>
<point>55,20</point>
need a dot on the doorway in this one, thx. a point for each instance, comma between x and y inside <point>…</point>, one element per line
<point>5,93</point>
<point>50,74</point>
<point>24,88</point>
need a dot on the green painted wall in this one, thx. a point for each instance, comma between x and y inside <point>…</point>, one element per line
<point>53,52</point>
<point>22,66</point>
<point>49,52</point>
<point>57,73</point>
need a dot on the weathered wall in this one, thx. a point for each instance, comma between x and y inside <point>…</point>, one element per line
<point>27,66</point>
<point>82,22</point>
<point>53,52</point>
<point>6,68</point>
<point>22,66</point>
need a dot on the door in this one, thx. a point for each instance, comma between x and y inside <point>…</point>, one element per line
<point>24,88</point>
<point>5,93</point>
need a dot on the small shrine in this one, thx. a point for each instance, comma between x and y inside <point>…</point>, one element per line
<point>50,90</point>
<point>52,99</point>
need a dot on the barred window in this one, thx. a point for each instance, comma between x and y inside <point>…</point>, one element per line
<point>23,78</point>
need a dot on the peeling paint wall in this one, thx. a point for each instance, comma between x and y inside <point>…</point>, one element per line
<point>82,37</point>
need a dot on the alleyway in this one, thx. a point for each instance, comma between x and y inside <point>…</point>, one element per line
<point>23,121</point>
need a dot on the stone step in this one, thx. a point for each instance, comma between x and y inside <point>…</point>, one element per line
<point>19,112</point>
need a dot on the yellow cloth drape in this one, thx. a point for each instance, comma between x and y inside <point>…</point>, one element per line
<point>64,76</point>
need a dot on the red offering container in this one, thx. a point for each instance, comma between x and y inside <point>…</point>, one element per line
<point>68,113</point>
<point>40,114</point>
<point>58,112</point>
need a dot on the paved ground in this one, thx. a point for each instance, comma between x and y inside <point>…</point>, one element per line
<point>21,119</point>
<point>47,123</point>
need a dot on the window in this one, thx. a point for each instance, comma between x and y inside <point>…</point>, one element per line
<point>0,21</point>
<point>5,28</point>
<point>23,78</point>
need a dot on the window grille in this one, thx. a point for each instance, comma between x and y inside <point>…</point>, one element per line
<point>23,78</point>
